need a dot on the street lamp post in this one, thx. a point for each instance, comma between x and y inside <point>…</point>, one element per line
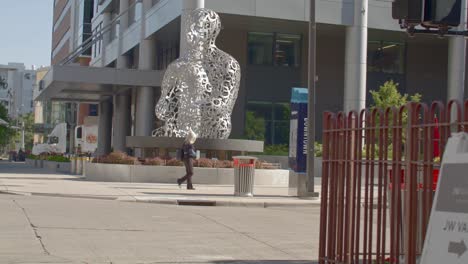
<point>22,136</point>
<point>311,101</point>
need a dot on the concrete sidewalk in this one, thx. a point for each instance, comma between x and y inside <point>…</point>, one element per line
<point>18,178</point>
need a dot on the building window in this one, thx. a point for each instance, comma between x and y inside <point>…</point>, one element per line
<point>268,121</point>
<point>97,45</point>
<point>85,16</point>
<point>274,49</point>
<point>287,50</point>
<point>93,110</point>
<point>385,57</point>
<point>260,48</point>
<point>134,13</point>
<point>167,55</point>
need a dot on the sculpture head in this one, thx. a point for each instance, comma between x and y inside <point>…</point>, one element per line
<point>203,27</point>
<point>191,137</point>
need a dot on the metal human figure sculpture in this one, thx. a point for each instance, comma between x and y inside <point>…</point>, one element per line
<point>200,88</point>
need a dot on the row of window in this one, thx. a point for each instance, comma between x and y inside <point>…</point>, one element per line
<point>85,14</point>
<point>285,50</point>
<point>385,57</point>
<point>274,49</point>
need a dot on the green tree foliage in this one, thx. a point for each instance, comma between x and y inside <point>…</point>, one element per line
<point>254,127</point>
<point>6,133</point>
<point>388,96</point>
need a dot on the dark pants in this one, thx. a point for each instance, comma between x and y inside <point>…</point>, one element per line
<point>189,172</point>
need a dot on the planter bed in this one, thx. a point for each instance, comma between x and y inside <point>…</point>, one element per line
<point>30,162</point>
<point>63,167</point>
<point>169,174</point>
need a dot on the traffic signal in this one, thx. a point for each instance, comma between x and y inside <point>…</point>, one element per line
<point>411,11</point>
<point>439,13</point>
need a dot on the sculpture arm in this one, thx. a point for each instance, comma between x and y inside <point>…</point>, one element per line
<point>170,91</point>
<point>224,96</point>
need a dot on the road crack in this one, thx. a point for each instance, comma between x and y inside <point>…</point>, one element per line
<point>34,228</point>
<point>244,234</point>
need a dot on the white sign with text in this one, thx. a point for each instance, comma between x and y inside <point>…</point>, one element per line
<point>447,234</point>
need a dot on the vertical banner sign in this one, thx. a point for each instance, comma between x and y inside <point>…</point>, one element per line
<point>298,130</point>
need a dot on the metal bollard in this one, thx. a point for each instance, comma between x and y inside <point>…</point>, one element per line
<point>244,175</point>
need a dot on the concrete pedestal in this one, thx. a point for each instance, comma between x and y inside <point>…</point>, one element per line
<point>298,186</point>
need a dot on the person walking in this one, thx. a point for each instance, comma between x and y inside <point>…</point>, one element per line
<point>188,155</point>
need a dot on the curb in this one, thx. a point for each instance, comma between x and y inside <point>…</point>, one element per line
<point>180,201</point>
<point>58,195</point>
<point>223,203</point>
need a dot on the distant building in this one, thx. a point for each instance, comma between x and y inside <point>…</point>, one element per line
<point>16,91</point>
<point>40,109</point>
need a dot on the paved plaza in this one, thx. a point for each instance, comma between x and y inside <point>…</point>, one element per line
<point>53,218</point>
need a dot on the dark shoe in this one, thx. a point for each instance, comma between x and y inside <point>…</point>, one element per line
<point>190,187</point>
<point>179,182</point>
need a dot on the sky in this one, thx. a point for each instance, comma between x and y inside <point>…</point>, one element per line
<point>26,31</point>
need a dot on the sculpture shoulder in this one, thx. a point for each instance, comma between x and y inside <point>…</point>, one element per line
<point>182,67</point>
<point>177,64</point>
<point>224,56</point>
<point>220,57</point>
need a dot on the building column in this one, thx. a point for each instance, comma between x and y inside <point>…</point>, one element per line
<point>122,101</point>
<point>145,95</point>
<point>356,59</point>
<point>123,20</point>
<point>187,7</point>
<point>457,61</point>
<point>105,128</point>
<point>122,120</point>
<point>145,101</point>
<point>122,60</point>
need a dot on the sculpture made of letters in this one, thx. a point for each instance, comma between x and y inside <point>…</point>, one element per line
<point>200,88</point>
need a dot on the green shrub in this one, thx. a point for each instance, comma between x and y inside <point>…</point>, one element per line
<point>283,150</point>
<point>254,127</point>
<point>58,158</point>
<point>276,150</point>
<point>32,157</point>
<point>318,149</point>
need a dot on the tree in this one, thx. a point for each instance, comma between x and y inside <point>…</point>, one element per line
<point>6,133</point>
<point>389,96</point>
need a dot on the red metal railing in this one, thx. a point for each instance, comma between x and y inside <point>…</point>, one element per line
<point>378,177</point>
